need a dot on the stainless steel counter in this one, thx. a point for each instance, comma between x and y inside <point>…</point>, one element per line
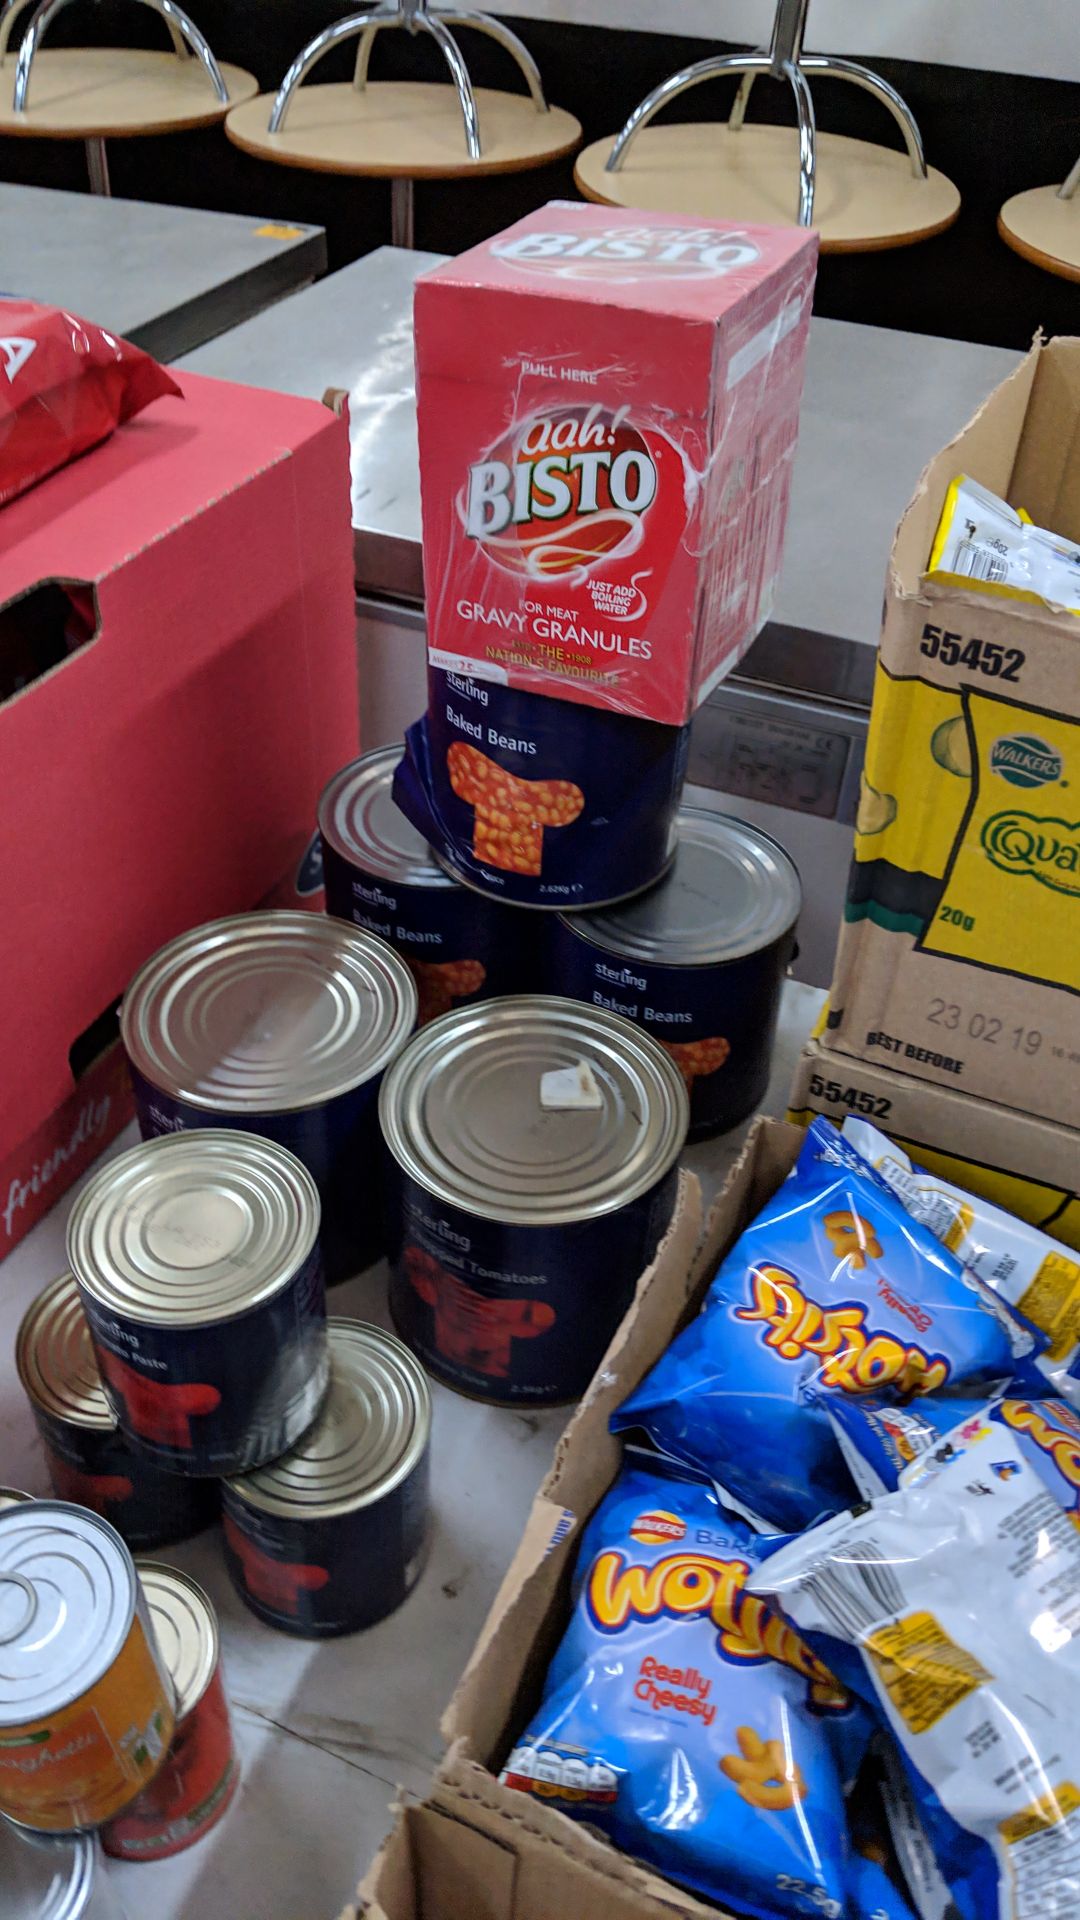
<point>168,278</point>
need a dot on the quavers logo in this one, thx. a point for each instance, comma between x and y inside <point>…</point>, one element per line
<point>624,255</point>
<point>1059,1438</point>
<point>657,1528</point>
<point>565,490</point>
<point>1046,850</point>
<point>620,1592</point>
<point>853,1357</point>
<point>1025,761</point>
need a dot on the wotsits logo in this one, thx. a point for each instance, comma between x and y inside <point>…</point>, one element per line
<point>566,489</point>
<point>854,1357</point>
<point>624,254</point>
<point>1046,850</point>
<point>1056,1432</point>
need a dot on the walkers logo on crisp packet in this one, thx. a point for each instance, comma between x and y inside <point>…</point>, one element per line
<point>656,1528</point>
<point>571,487</point>
<point>624,255</point>
<point>1024,761</point>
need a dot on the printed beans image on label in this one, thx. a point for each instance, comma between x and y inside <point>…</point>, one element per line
<point>538,801</point>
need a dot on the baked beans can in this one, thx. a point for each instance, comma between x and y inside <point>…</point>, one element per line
<point>282,1024</point>
<point>537,801</point>
<point>382,876</point>
<point>699,962</point>
<point>90,1461</point>
<point>200,1772</point>
<point>86,1707</point>
<point>52,1877</point>
<point>331,1537</point>
<point>535,1144</point>
<point>197,1262</point>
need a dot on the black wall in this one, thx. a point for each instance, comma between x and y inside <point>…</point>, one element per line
<point>993,133</point>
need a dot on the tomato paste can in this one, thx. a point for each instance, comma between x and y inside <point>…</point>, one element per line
<point>86,1707</point>
<point>699,961</point>
<point>89,1460</point>
<point>281,1023</point>
<point>535,1143</point>
<point>382,876</point>
<point>52,1877</point>
<point>331,1537</point>
<point>197,1262</point>
<point>540,801</point>
<point>200,1772</point>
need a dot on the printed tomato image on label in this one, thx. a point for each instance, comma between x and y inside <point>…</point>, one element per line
<point>276,1583</point>
<point>472,1328</point>
<point>152,1409</point>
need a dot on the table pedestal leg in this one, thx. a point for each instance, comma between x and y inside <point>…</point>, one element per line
<point>97,165</point>
<point>402,200</point>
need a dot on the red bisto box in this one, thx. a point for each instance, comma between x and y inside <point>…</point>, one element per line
<point>608,410</point>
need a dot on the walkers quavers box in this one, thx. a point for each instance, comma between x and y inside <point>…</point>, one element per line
<point>959,957</point>
<point>608,408</point>
<point>1029,1166</point>
<point>177,683</point>
<point>502,1683</point>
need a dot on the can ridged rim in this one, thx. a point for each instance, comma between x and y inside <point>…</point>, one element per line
<point>69,1901</point>
<point>372,1431</point>
<point>461,1115</point>
<point>267,1013</point>
<point>86,1553</point>
<point>359,821</point>
<point>185,1627</point>
<point>54,1356</point>
<point>193,1228</point>
<point>635,929</point>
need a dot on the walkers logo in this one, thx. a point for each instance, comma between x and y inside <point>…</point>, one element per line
<point>1024,761</point>
<point>624,255</point>
<point>570,489</point>
<point>658,1528</point>
<point>1046,850</point>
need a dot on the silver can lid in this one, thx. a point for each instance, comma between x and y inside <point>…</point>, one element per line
<point>731,892</point>
<point>358,818</point>
<point>463,1114</point>
<point>185,1627</point>
<point>374,1426</point>
<point>45,1877</point>
<point>55,1358</point>
<point>267,1012</point>
<point>192,1228</point>
<point>67,1598</point>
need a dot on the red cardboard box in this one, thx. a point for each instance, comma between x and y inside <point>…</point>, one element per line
<point>191,582</point>
<point>608,408</point>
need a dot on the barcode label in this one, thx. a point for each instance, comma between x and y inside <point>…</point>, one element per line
<point>856,1593</point>
<point>977,562</point>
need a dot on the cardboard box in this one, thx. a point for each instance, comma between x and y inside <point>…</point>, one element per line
<point>1030,1166</point>
<point>177,638</point>
<point>608,405</point>
<point>959,958</point>
<point>502,1683</point>
<point>451,1859</point>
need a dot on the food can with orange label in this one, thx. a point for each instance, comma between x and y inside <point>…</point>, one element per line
<point>535,1145</point>
<point>542,802</point>
<point>331,1537</point>
<point>200,1772</point>
<point>381,875</point>
<point>86,1706</point>
<point>89,1460</point>
<point>699,961</point>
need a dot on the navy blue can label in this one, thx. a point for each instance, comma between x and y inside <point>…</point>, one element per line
<point>459,947</point>
<point>543,802</point>
<point>716,1020</point>
<point>321,1577</point>
<point>95,1468</point>
<point>223,1397</point>
<point>338,1142</point>
<point>518,1315</point>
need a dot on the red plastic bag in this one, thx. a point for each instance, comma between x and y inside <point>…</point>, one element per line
<point>64,386</point>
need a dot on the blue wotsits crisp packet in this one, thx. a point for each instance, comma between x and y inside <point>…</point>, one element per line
<point>833,1290</point>
<point>685,1721</point>
<point>885,1445</point>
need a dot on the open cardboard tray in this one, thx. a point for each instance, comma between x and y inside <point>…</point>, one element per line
<point>503,1680</point>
